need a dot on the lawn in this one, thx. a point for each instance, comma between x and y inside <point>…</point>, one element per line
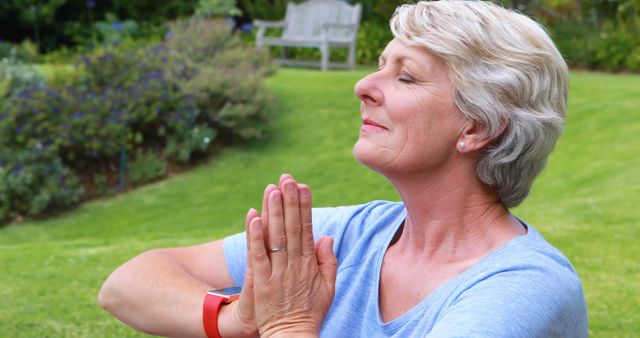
<point>584,203</point>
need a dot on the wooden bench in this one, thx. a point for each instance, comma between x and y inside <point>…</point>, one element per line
<point>318,24</point>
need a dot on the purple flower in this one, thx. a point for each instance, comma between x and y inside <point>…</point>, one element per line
<point>246,27</point>
<point>117,25</point>
<point>90,4</point>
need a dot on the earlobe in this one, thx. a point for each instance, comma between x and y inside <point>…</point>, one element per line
<point>474,137</point>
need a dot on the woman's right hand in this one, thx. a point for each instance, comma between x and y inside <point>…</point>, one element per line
<point>238,318</point>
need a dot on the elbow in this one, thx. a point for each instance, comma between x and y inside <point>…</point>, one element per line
<point>107,296</point>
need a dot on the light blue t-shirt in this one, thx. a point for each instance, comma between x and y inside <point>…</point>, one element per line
<point>526,288</point>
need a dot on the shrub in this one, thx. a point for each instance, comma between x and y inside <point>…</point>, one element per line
<point>217,8</point>
<point>147,166</point>
<point>202,86</point>
<point>17,75</point>
<point>34,181</point>
<point>181,146</point>
<point>372,39</point>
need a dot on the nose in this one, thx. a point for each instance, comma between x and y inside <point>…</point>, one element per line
<point>368,91</point>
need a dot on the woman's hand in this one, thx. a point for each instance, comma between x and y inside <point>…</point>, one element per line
<point>238,318</point>
<point>293,278</point>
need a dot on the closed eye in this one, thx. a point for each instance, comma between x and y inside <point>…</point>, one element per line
<point>406,78</point>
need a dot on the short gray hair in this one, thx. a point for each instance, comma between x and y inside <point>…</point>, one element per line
<point>505,69</point>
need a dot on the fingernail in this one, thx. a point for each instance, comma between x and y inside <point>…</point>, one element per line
<point>276,196</point>
<point>290,186</point>
<point>256,224</point>
<point>304,190</point>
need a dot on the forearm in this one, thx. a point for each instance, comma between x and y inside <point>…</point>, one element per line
<point>153,293</point>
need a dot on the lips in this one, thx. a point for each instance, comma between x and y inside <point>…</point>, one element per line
<point>369,122</point>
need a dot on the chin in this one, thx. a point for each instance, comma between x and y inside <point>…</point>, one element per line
<point>367,154</point>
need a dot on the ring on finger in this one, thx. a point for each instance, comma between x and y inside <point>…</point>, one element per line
<point>278,250</point>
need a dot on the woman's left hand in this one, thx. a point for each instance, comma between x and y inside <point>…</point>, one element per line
<point>294,279</point>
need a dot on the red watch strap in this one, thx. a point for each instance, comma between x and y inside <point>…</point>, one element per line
<point>210,311</point>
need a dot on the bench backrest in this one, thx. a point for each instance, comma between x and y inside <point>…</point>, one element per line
<point>307,19</point>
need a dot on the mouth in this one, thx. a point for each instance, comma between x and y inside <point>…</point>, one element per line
<point>371,125</point>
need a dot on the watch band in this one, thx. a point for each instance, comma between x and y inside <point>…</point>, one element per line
<point>210,312</point>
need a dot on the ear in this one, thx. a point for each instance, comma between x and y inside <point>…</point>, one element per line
<point>474,136</point>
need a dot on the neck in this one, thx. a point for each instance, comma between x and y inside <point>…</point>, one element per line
<point>451,216</point>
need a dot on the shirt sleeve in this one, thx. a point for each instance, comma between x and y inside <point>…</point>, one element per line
<point>527,302</point>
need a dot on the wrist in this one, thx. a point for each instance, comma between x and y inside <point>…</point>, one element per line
<point>293,335</point>
<point>297,332</point>
<point>231,325</point>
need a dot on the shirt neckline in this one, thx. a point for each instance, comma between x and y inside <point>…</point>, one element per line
<point>397,322</point>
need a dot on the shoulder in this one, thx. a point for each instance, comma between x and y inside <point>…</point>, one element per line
<point>527,288</point>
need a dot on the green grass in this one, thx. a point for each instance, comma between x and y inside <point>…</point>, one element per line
<point>584,203</point>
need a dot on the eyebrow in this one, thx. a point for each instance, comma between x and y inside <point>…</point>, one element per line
<point>400,60</point>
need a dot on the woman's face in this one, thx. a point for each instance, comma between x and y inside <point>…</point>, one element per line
<point>410,123</point>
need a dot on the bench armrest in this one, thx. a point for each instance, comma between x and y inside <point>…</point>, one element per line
<point>263,25</point>
<point>351,28</point>
<point>270,24</point>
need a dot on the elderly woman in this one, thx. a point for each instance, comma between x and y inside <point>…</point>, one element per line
<point>466,106</point>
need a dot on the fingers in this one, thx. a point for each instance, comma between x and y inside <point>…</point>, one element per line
<point>258,253</point>
<point>283,178</point>
<point>277,235</point>
<point>265,210</point>
<point>253,213</point>
<point>246,303</point>
<point>292,222</point>
<point>265,203</point>
<point>306,237</point>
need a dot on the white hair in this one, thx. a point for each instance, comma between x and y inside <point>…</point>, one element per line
<point>505,70</point>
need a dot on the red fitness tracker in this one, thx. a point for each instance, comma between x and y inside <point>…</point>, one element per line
<point>213,300</point>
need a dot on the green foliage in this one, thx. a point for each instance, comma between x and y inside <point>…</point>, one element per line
<point>201,86</point>
<point>34,181</point>
<point>265,9</point>
<point>111,30</point>
<point>54,24</point>
<point>26,51</point>
<point>217,8</point>
<point>615,46</point>
<point>147,166</point>
<point>18,76</point>
<point>372,39</point>
<point>181,146</point>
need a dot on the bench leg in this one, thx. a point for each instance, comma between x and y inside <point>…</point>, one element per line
<point>351,59</point>
<point>324,53</point>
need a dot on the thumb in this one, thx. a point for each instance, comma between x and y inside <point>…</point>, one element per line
<point>246,302</point>
<point>327,261</point>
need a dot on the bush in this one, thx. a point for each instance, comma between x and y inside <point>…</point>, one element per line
<point>613,44</point>
<point>34,181</point>
<point>181,146</point>
<point>181,96</point>
<point>372,39</point>
<point>147,166</point>
<point>18,76</point>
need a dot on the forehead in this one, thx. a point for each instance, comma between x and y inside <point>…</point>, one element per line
<point>399,52</point>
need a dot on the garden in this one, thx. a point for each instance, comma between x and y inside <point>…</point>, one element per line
<point>160,126</point>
